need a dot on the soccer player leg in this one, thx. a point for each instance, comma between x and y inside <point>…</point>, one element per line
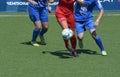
<point>35,33</point>
<point>73,43</point>
<point>73,40</point>
<point>80,32</point>
<point>42,32</point>
<point>98,42</point>
<point>63,23</point>
<point>71,25</point>
<point>44,20</point>
<point>80,39</point>
<point>34,36</point>
<point>97,38</point>
<point>44,28</point>
<point>34,16</point>
<point>63,26</point>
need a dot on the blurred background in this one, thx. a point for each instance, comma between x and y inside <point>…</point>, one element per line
<point>21,5</point>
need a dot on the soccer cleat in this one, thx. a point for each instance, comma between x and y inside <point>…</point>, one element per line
<point>42,40</point>
<point>75,54</point>
<point>34,44</point>
<point>104,53</point>
<point>80,43</point>
<point>42,43</point>
<point>70,49</point>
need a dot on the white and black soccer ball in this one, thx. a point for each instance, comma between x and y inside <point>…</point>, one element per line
<point>67,33</point>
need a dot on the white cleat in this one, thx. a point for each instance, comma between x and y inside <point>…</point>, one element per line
<point>104,53</point>
<point>34,44</point>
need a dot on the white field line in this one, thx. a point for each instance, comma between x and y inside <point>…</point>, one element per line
<point>50,15</point>
<point>13,15</point>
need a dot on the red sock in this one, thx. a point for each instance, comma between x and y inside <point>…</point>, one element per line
<point>73,42</point>
<point>66,43</point>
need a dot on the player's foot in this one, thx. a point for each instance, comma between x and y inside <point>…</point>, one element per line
<point>70,49</point>
<point>42,42</point>
<point>80,43</point>
<point>34,44</point>
<point>104,53</point>
<point>75,54</point>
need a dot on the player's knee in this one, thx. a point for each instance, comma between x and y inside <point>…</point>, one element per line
<point>80,38</point>
<point>45,27</point>
<point>38,27</point>
<point>94,34</point>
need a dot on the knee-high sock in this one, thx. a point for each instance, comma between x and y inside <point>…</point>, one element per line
<point>35,34</point>
<point>43,31</point>
<point>66,42</point>
<point>73,42</point>
<point>99,43</point>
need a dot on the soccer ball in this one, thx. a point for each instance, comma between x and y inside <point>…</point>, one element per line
<point>67,33</point>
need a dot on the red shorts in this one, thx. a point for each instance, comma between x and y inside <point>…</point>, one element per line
<point>61,16</point>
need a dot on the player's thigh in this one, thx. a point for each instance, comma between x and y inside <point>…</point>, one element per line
<point>61,18</point>
<point>33,14</point>
<point>90,25</point>
<point>81,35</point>
<point>79,27</point>
<point>37,24</point>
<point>43,15</point>
<point>71,21</point>
<point>45,25</point>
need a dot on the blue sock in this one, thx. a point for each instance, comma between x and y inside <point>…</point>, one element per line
<point>43,31</point>
<point>35,34</point>
<point>99,43</point>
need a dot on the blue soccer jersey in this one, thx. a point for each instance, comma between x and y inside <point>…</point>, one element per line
<point>83,13</point>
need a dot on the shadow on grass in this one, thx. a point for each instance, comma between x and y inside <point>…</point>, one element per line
<point>87,51</point>
<point>60,54</point>
<point>29,43</point>
<point>65,54</point>
<point>26,43</point>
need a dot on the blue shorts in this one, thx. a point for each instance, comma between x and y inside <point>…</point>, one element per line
<point>38,14</point>
<point>81,26</point>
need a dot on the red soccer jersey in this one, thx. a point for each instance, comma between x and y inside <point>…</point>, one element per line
<point>65,6</point>
<point>64,12</point>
